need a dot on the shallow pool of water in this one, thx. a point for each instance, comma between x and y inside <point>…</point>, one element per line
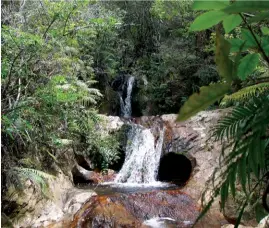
<point>111,188</point>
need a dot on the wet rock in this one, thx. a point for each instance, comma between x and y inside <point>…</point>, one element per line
<point>75,198</point>
<point>81,175</point>
<point>109,175</point>
<point>131,210</point>
<point>192,138</point>
<point>100,177</point>
<point>189,138</point>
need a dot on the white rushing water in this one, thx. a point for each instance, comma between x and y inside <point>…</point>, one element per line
<point>126,105</point>
<point>158,222</point>
<point>142,157</point>
<point>163,222</point>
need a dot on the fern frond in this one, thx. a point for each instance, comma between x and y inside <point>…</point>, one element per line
<point>87,101</point>
<point>90,95</point>
<point>246,93</point>
<point>91,82</point>
<point>246,156</point>
<point>232,124</point>
<point>94,91</point>
<point>17,177</point>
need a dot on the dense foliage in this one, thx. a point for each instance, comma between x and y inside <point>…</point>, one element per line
<point>61,61</point>
<point>242,59</point>
<point>48,99</point>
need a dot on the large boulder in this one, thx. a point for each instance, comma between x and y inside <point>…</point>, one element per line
<point>62,202</point>
<point>131,210</point>
<point>191,138</point>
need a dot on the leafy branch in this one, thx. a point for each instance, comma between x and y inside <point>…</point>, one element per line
<point>255,38</point>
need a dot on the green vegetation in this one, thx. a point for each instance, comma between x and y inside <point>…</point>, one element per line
<point>243,65</point>
<point>61,60</point>
<point>48,98</point>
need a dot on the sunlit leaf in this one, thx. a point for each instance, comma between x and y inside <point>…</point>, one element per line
<point>207,20</point>
<point>230,22</point>
<point>200,101</point>
<point>265,30</point>
<point>247,65</point>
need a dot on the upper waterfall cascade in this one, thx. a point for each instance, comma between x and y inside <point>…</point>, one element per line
<point>142,156</point>
<point>126,104</point>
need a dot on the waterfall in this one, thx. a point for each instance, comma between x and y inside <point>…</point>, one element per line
<point>126,105</point>
<point>142,156</point>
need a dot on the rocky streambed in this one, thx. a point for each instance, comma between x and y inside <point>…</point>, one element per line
<point>187,158</point>
<point>134,209</point>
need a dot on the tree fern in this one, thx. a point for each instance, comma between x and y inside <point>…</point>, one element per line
<point>246,93</point>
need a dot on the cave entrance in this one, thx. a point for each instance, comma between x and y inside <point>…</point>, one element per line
<point>175,168</point>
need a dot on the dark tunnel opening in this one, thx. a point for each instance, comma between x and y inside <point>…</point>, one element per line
<point>175,168</point>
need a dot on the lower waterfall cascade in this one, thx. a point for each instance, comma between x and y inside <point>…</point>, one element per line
<point>142,156</point>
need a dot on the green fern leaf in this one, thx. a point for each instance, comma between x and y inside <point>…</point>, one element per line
<point>246,93</point>
<point>242,170</point>
<point>224,194</point>
<point>17,177</point>
<point>252,158</point>
<point>232,178</point>
<point>241,214</point>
